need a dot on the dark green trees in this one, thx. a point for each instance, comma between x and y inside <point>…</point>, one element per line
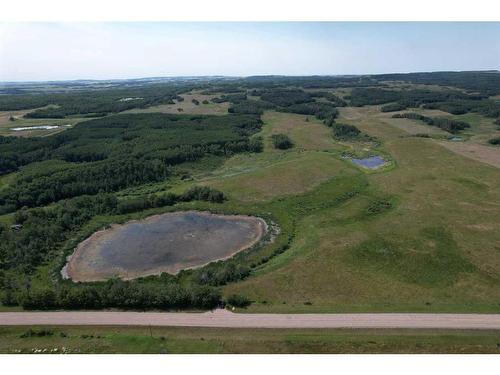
<point>281,141</point>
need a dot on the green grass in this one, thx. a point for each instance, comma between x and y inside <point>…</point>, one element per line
<point>435,249</point>
<point>421,235</point>
<point>215,340</point>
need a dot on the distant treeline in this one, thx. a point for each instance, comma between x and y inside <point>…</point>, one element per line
<point>486,107</point>
<point>451,101</point>
<point>451,126</point>
<point>486,82</point>
<point>91,102</point>
<point>406,98</point>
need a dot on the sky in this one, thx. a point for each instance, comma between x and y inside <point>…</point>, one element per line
<point>64,51</point>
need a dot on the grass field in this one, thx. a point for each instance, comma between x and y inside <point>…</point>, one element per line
<point>216,340</point>
<point>6,125</point>
<point>187,106</point>
<point>434,250</point>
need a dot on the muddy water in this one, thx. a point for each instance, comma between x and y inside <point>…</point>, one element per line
<point>162,243</point>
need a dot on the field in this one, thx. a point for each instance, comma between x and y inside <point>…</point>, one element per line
<point>161,340</point>
<point>6,125</point>
<point>347,261</point>
<point>419,234</point>
<point>187,106</point>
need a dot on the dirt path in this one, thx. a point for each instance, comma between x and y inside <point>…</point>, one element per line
<point>224,318</point>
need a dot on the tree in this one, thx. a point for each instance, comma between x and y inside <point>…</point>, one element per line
<point>345,131</point>
<point>281,141</point>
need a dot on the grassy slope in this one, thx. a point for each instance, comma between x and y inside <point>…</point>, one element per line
<point>216,340</point>
<point>188,106</point>
<point>436,251</point>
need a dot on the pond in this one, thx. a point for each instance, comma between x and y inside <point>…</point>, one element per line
<point>163,243</point>
<point>373,162</point>
<point>38,127</point>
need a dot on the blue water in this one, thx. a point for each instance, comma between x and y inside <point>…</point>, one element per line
<point>372,162</point>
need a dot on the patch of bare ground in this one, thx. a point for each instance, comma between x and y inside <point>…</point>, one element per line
<point>6,115</point>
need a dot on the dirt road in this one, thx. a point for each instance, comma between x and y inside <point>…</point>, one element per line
<point>224,318</point>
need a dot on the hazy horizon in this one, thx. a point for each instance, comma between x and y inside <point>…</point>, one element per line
<point>43,52</point>
<point>235,77</point>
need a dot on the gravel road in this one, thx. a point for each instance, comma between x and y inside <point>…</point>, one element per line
<point>224,318</point>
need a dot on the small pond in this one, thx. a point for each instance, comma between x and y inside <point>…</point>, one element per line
<point>38,127</point>
<point>373,162</point>
<point>163,243</point>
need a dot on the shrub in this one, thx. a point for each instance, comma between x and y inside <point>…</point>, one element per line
<point>237,300</point>
<point>393,107</point>
<point>281,141</point>
<point>33,333</point>
<point>203,193</point>
<point>494,141</point>
<point>345,132</point>
<point>378,206</point>
<point>44,299</point>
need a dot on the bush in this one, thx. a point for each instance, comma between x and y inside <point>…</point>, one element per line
<point>494,141</point>
<point>378,206</point>
<point>281,141</point>
<point>393,107</point>
<point>44,299</point>
<point>345,132</point>
<point>203,193</point>
<point>237,300</point>
<point>33,333</point>
<point>221,273</point>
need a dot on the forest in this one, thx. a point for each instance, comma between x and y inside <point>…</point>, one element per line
<point>60,105</point>
<point>112,153</point>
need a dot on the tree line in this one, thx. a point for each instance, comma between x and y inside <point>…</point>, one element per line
<point>451,126</point>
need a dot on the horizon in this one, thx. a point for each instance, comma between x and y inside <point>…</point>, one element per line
<point>496,71</point>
